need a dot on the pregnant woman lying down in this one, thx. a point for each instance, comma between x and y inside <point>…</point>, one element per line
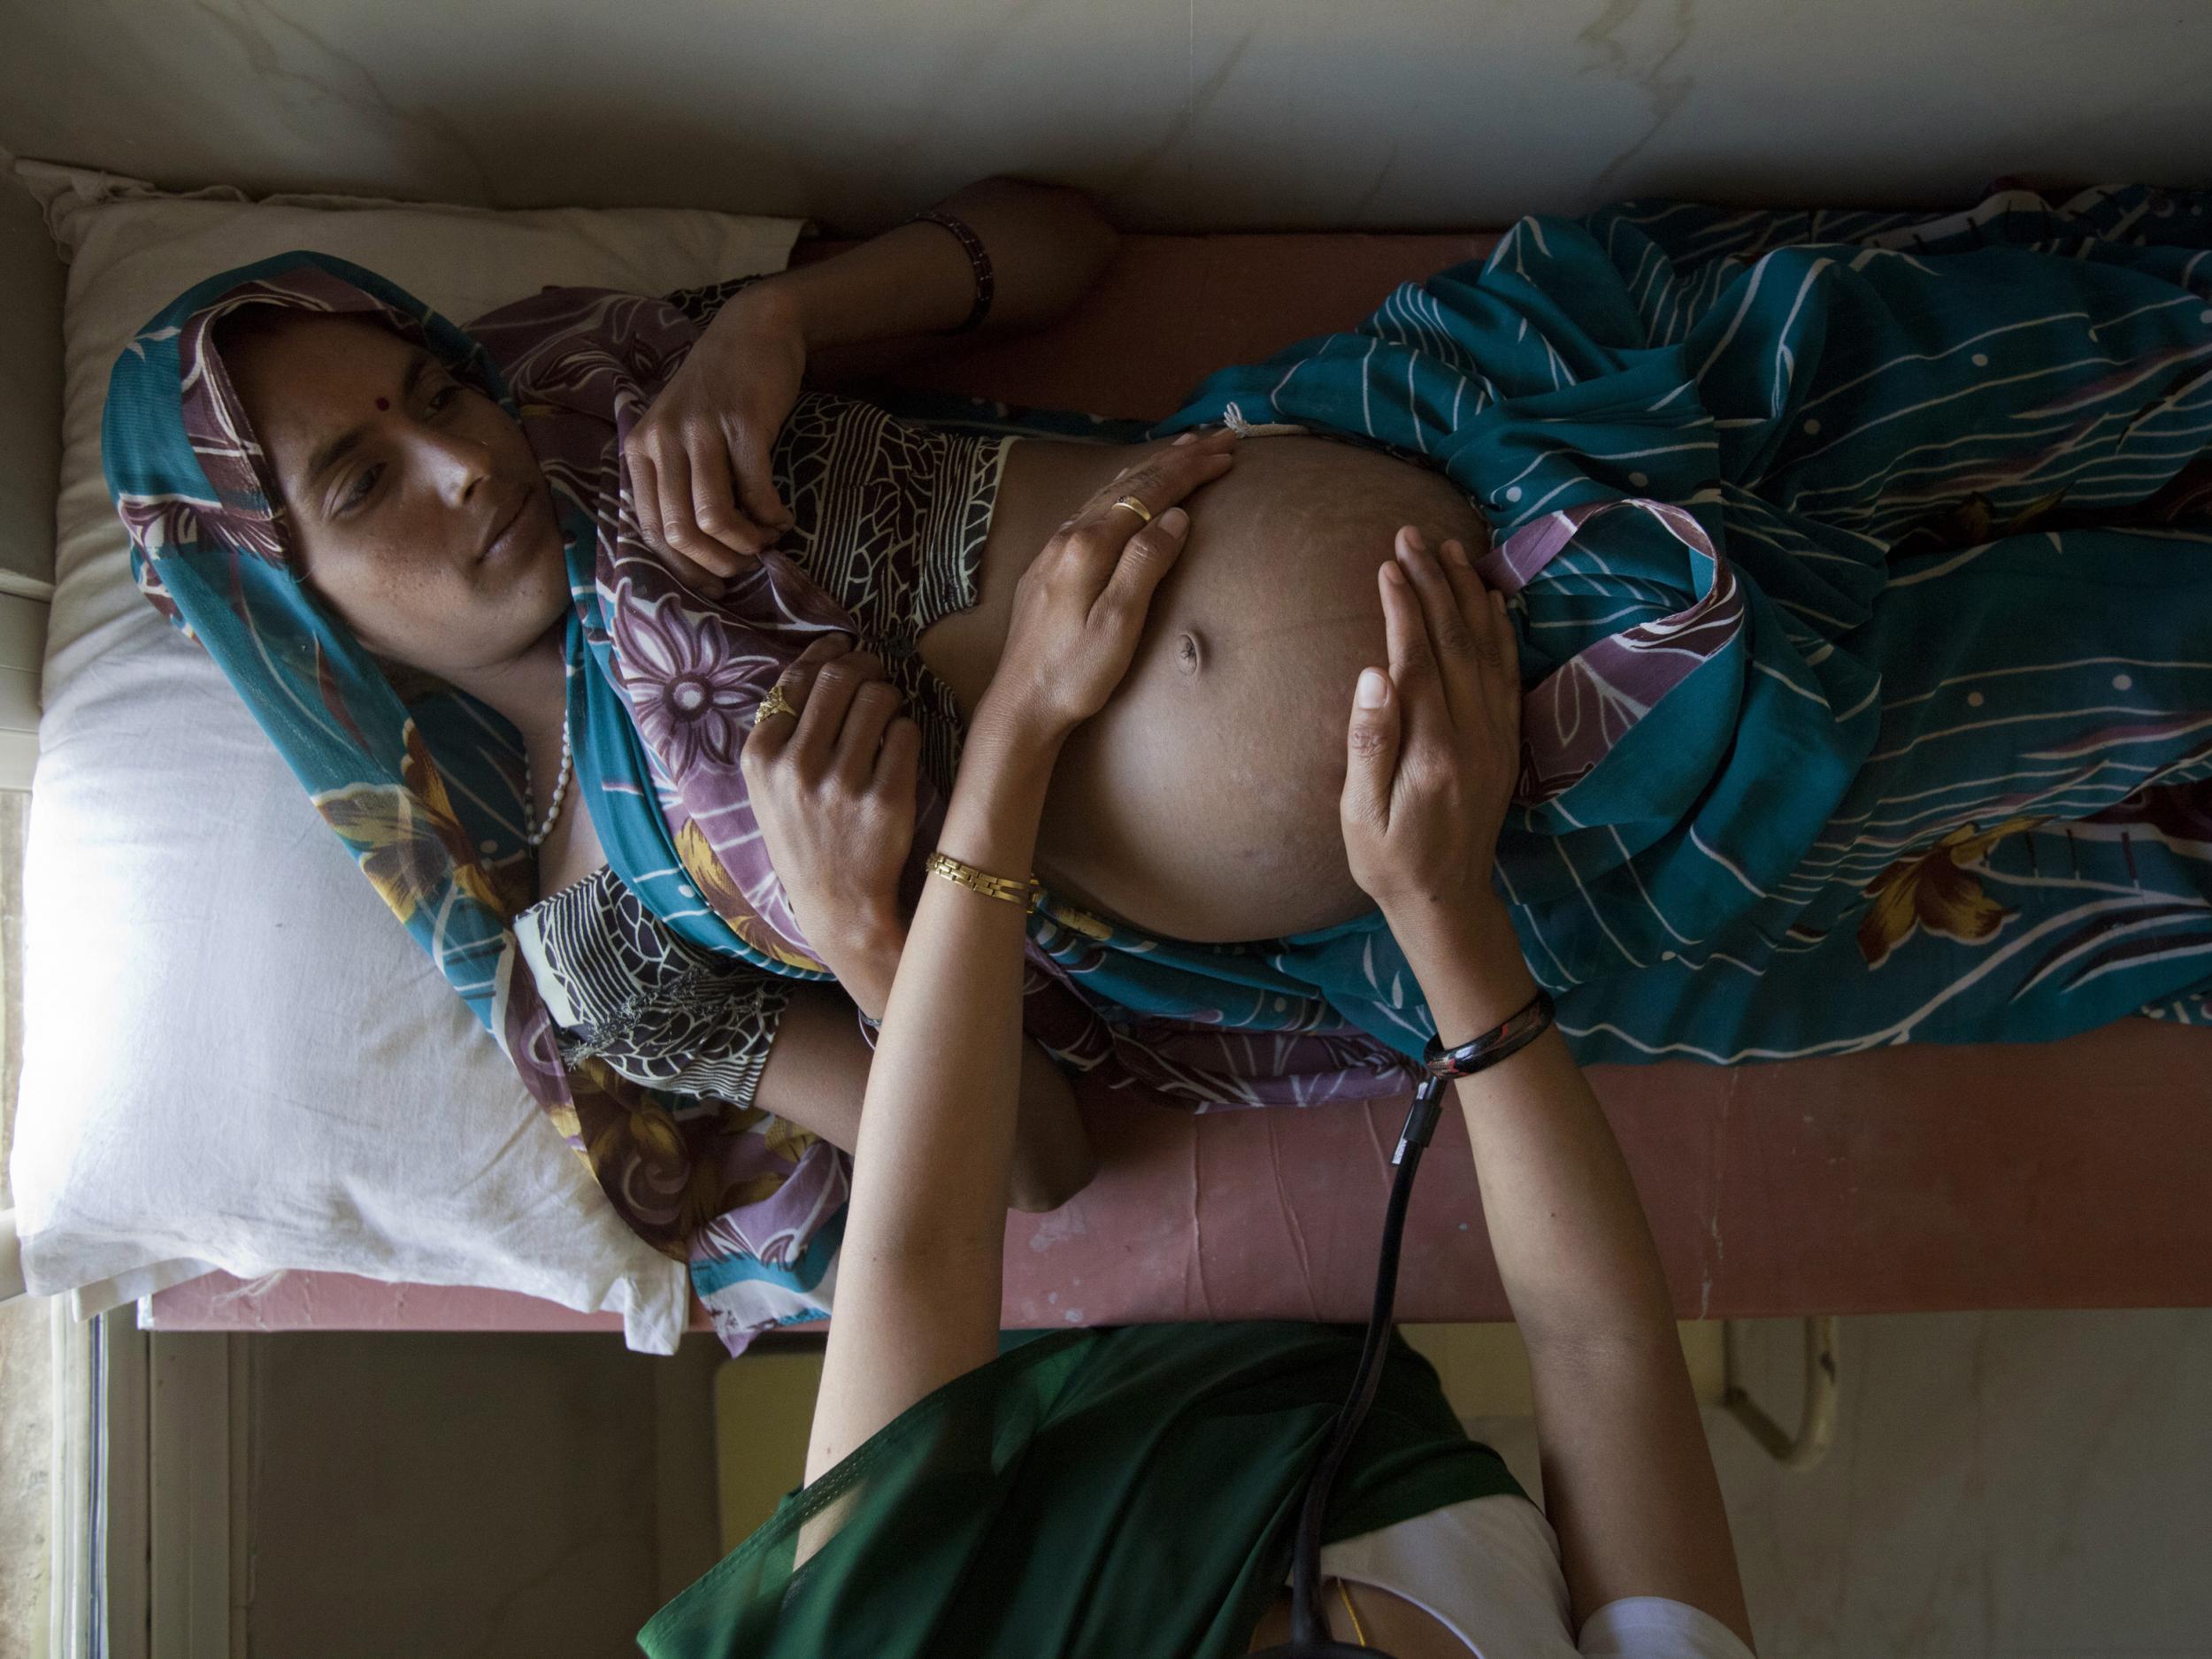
<point>1861,592</point>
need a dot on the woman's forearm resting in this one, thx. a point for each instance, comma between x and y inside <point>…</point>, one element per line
<point>1046,247</point>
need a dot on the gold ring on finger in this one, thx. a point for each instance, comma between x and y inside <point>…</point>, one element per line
<point>774,703</point>
<point>1137,507</point>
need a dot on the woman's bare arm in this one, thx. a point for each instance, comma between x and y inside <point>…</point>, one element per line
<point>919,1282</point>
<point>1628,1478</point>
<point>699,460</point>
<point>1046,245</point>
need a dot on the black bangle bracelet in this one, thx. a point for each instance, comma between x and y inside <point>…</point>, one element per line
<point>1492,1045</point>
<point>978,262</point>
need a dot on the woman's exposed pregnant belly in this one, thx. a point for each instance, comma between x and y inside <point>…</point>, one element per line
<point>1201,802</point>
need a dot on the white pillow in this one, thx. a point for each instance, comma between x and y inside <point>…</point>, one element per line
<point>233,1054</point>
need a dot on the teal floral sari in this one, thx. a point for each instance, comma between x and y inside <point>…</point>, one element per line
<point>1862,565</point>
<point>1862,570</point>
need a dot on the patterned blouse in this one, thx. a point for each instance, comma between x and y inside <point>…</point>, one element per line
<point>890,520</point>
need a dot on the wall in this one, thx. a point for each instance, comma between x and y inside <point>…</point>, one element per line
<point>1185,113</point>
<point>30,393</point>
<point>2011,1485</point>
<point>501,1495</point>
<point>30,441</point>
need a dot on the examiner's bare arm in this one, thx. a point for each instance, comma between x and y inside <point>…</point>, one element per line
<point>1433,750</point>
<point>831,786</point>
<point>920,1279</point>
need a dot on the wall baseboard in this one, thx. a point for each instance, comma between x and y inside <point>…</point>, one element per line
<point>25,587</point>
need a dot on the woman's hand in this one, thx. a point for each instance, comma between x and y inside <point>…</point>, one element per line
<point>833,790</point>
<point>699,460</point>
<point>1434,748</point>
<point>1081,605</point>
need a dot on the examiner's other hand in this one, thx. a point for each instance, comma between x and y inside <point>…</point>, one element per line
<point>698,458</point>
<point>1434,745</point>
<point>1081,605</point>
<point>833,789</point>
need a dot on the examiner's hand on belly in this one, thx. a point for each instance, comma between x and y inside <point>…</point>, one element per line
<point>1079,608</point>
<point>1432,753</point>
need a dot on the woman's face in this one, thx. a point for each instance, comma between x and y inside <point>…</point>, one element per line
<point>420,515</point>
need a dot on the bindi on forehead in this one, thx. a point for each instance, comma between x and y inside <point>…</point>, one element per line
<point>383,403</point>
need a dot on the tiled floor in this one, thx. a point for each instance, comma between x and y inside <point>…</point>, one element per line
<point>2001,1487</point>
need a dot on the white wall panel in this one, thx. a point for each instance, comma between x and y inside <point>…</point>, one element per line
<point>1185,113</point>
<point>30,393</point>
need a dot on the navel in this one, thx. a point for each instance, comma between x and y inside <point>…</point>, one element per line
<point>1190,654</point>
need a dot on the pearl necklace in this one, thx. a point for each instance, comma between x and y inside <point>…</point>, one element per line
<point>536,838</point>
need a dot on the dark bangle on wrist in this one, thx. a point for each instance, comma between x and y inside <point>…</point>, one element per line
<point>978,262</point>
<point>1500,1043</point>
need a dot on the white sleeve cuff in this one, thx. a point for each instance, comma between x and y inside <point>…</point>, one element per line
<point>1652,1628</point>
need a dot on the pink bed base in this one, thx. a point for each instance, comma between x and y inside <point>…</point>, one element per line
<point>2066,1175</point>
